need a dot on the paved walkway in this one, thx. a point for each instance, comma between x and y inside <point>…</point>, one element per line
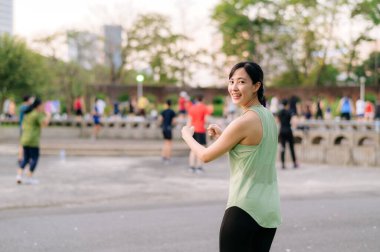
<point>129,203</point>
<point>99,147</point>
<point>146,180</point>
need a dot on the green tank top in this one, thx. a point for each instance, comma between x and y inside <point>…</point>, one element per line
<point>253,176</point>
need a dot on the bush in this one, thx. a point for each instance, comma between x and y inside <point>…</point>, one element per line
<point>370,97</point>
<point>123,97</point>
<point>218,110</point>
<point>173,98</point>
<point>218,100</point>
<point>151,98</point>
<point>101,96</point>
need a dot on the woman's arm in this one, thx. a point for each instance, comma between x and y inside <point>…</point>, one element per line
<point>232,135</point>
<point>46,120</point>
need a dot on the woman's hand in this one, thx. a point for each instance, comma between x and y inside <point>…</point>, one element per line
<point>214,130</point>
<point>187,131</point>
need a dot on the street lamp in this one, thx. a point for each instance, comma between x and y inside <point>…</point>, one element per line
<point>362,87</point>
<point>139,79</point>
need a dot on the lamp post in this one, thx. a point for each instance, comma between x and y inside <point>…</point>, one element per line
<point>139,79</point>
<point>362,88</point>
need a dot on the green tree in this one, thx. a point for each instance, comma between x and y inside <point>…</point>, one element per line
<point>155,47</point>
<point>268,30</point>
<point>369,11</point>
<point>245,26</point>
<point>370,69</point>
<point>295,39</point>
<point>22,71</point>
<point>68,79</point>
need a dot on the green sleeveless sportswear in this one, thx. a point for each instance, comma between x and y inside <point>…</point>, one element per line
<point>253,181</point>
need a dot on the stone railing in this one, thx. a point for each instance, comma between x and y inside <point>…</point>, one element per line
<point>338,142</point>
<point>331,142</point>
<point>130,128</point>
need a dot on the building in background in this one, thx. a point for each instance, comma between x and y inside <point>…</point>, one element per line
<point>112,46</point>
<point>83,48</point>
<point>6,16</point>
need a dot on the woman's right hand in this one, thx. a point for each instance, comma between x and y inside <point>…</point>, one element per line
<point>214,130</point>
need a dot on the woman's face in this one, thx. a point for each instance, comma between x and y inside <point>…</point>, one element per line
<point>241,88</point>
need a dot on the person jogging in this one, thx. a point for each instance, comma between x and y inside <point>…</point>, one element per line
<point>286,133</point>
<point>167,119</point>
<point>34,119</point>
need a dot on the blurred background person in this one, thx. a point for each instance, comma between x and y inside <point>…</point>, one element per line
<point>27,101</point>
<point>197,118</point>
<point>308,114</point>
<point>345,107</point>
<point>319,110</point>
<point>96,116</point>
<point>294,105</point>
<point>182,105</point>
<point>274,105</point>
<point>360,109</point>
<point>142,105</point>
<point>167,120</point>
<point>286,133</point>
<point>369,111</point>
<point>34,119</point>
<point>78,106</point>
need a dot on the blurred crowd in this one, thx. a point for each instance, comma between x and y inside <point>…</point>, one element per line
<point>344,108</point>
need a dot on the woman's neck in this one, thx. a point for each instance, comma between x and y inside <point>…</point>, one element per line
<point>253,102</point>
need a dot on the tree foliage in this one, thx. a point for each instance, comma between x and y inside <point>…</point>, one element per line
<point>370,69</point>
<point>22,71</point>
<point>296,41</point>
<point>67,79</point>
<point>154,47</point>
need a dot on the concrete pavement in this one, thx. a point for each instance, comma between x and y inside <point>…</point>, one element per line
<point>129,203</point>
<point>146,180</point>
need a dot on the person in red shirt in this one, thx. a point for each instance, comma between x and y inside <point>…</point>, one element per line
<point>369,111</point>
<point>78,107</point>
<point>182,104</point>
<point>197,118</point>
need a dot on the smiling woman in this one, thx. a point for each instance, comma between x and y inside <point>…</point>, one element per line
<point>253,208</point>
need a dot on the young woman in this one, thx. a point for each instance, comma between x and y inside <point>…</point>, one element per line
<point>35,117</point>
<point>253,208</point>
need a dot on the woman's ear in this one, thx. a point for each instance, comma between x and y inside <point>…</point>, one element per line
<point>256,86</point>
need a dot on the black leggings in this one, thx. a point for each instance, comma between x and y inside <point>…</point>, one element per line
<point>241,233</point>
<point>287,137</point>
<point>31,155</point>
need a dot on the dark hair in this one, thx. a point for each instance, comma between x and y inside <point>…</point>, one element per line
<point>284,102</point>
<point>200,97</point>
<point>35,104</point>
<point>25,98</point>
<point>169,102</point>
<point>256,74</point>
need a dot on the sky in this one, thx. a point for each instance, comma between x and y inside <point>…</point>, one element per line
<point>39,17</point>
<point>36,18</point>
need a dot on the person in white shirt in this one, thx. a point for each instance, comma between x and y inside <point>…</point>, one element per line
<point>360,109</point>
<point>101,105</point>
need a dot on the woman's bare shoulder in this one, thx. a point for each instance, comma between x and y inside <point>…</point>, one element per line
<point>250,117</point>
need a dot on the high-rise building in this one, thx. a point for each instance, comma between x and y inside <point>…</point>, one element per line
<point>82,48</point>
<point>112,46</point>
<point>6,16</point>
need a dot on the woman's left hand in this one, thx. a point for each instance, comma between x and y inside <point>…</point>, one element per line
<point>187,131</point>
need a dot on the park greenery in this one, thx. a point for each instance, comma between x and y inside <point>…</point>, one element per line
<point>296,41</point>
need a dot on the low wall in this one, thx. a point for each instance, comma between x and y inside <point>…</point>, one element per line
<point>338,143</point>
